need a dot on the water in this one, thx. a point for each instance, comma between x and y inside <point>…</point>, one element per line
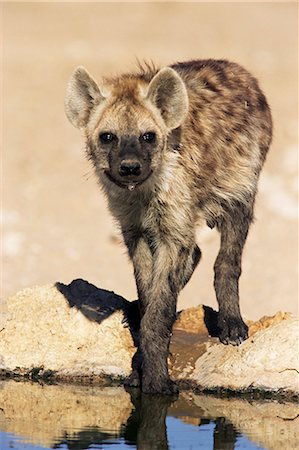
<point>35,416</point>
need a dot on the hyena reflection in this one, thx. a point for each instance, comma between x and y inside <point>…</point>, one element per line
<point>172,147</point>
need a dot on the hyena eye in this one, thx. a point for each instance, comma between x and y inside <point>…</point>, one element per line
<point>149,137</point>
<point>107,137</point>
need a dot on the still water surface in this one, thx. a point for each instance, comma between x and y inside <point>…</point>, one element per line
<point>35,416</point>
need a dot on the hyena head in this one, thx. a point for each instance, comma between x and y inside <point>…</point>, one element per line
<point>126,122</point>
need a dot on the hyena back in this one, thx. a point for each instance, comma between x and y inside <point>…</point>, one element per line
<point>172,148</point>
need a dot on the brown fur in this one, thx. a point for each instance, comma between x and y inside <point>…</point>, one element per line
<point>212,128</point>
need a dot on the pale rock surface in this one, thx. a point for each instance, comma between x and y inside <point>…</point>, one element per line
<point>45,329</point>
<point>266,361</point>
<point>78,330</point>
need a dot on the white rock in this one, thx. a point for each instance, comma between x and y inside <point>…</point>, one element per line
<point>78,330</point>
<point>266,361</point>
<point>43,330</point>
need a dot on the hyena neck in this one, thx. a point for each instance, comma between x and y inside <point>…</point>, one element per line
<point>163,200</point>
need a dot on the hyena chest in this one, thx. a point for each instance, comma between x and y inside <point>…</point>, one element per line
<point>163,215</point>
<point>165,220</point>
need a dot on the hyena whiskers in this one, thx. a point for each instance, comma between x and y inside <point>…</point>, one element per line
<point>171,148</point>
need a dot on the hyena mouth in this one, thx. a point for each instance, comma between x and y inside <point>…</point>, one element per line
<point>127,184</point>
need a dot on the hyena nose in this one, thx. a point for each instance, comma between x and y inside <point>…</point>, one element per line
<point>129,167</point>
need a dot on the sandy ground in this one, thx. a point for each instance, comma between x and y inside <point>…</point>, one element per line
<point>56,226</point>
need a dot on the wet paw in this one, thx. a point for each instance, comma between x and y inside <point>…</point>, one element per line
<point>164,387</point>
<point>232,330</point>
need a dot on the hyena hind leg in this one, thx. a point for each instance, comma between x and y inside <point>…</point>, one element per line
<point>233,227</point>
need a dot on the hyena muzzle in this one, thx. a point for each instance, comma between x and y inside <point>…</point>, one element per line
<point>173,148</point>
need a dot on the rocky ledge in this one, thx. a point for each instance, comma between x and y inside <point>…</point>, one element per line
<point>80,332</point>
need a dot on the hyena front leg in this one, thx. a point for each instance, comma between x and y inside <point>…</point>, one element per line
<point>160,274</point>
<point>172,268</point>
<point>142,258</point>
<point>234,229</point>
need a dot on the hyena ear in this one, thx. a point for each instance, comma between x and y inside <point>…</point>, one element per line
<point>82,95</point>
<point>169,94</point>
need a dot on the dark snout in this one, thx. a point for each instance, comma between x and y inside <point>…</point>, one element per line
<point>130,163</point>
<point>129,167</point>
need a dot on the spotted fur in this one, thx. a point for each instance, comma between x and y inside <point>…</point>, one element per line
<point>212,129</point>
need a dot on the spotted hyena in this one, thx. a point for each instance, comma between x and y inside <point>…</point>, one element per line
<point>174,147</point>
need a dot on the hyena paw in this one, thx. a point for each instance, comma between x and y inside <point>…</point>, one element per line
<point>133,380</point>
<point>164,387</point>
<point>232,330</point>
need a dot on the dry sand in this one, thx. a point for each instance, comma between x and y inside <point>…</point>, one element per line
<point>56,224</point>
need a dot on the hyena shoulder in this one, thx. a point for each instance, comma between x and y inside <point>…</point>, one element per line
<point>227,133</point>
